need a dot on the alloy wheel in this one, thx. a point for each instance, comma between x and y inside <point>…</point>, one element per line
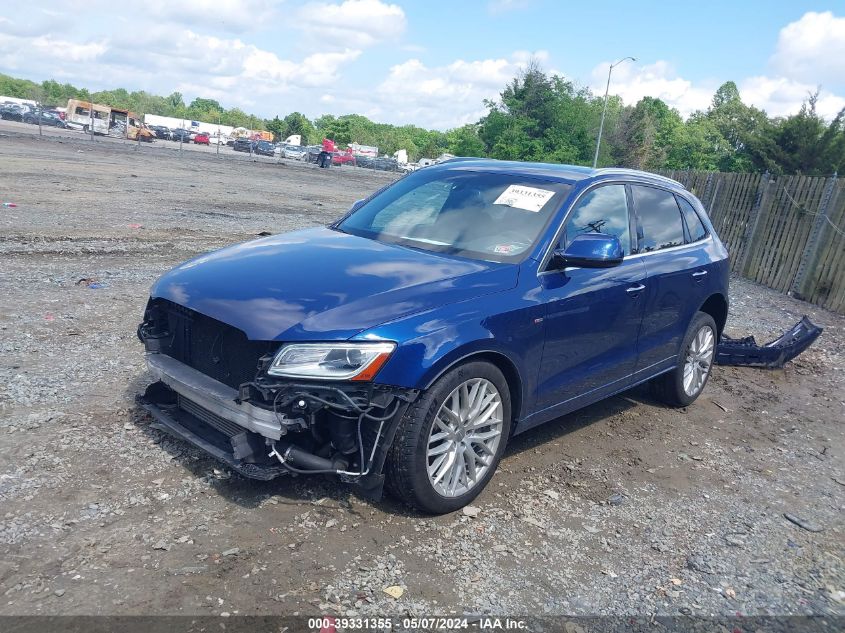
<point>699,359</point>
<point>464,437</point>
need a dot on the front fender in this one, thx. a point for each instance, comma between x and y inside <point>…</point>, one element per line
<point>507,324</point>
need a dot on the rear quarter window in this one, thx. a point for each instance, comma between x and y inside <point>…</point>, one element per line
<point>694,224</point>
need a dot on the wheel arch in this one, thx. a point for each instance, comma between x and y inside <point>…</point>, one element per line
<point>503,363</point>
<point>717,307</point>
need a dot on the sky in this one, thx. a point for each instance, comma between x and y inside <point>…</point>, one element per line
<point>431,63</point>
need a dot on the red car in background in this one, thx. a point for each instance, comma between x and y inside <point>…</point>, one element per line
<point>202,139</point>
<point>343,157</point>
<point>338,156</point>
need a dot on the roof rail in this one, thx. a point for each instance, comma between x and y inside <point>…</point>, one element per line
<point>458,159</point>
<point>638,172</point>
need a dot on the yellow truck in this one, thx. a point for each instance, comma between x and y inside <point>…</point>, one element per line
<point>127,124</point>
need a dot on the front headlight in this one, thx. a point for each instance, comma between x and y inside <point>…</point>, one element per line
<point>331,361</point>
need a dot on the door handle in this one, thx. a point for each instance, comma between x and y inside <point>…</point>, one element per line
<point>637,288</point>
<point>699,274</point>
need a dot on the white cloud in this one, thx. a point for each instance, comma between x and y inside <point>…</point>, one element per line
<point>780,96</point>
<point>229,50</point>
<point>355,23</point>
<point>19,53</point>
<point>447,96</point>
<point>230,70</point>
<point>319,69</point>
<point>633,81</point>
<point>224,15</point>
<point>812,49</point>
<point>32,23</point>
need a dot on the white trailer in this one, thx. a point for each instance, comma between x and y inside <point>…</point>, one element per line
<point>87,116</point>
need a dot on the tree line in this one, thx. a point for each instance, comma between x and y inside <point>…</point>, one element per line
<point>541,117</point>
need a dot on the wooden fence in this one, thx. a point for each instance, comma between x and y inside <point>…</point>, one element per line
<point>786,232</point>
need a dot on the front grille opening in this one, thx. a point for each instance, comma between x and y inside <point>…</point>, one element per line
<point>212,347</point>
<point>227,427</point>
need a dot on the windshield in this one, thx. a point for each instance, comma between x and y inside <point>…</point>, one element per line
<point>491,216</point>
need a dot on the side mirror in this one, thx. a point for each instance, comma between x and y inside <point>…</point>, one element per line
<point>357,205</point>
<point>590,250</point>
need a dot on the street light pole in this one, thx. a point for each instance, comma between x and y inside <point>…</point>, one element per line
<point>604,109</point>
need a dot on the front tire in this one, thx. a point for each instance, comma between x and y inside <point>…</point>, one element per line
<point>681,386</point>
<point>449,442</point>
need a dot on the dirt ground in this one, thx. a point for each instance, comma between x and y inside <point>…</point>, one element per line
<point>626,507</point>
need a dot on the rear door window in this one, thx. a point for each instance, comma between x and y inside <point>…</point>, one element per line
<point>659,218</point>
<point>694,224</point>
<point>601,210</point>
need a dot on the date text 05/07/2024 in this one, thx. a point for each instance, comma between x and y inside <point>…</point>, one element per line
<point>332,624</point>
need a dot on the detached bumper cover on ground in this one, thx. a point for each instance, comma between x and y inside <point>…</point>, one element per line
<point>772,355</point>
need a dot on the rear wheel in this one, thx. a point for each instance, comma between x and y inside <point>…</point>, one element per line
<point>681,386</point>
<point>449,443</point>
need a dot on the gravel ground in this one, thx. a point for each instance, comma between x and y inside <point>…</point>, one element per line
<point>623,508</point>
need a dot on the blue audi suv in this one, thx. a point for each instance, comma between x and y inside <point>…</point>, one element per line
<point>404,344</point>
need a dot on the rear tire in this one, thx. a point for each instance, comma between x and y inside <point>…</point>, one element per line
<point>681,386</point>
<point>449,442</point>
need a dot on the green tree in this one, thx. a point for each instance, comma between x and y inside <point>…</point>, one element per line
<point>543,118</point>
<point>697,145</point>
<point>539,117</point>
<point>747,130</point>
<point>175,102</point>
<point>465,141</point>
<point>297,123</point>
<point>808,145</point>
<point>648,133</point>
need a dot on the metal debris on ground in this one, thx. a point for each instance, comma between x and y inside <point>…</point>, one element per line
<point>91,282</point>
<point>772,355</point>
<point>810,527</point>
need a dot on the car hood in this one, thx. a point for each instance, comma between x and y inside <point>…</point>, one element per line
<point>322,284</point>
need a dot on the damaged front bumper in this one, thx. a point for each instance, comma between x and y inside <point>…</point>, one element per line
<point>774,354</point>
<point>213,396</point>
<point>270,427</point>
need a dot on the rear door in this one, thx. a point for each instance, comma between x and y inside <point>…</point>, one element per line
<point>592,314</point>
<point>675,266</point>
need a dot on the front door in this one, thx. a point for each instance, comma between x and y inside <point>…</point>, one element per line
<point>593,315</point>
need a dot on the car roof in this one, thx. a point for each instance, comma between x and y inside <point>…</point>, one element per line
<point>553,171</point>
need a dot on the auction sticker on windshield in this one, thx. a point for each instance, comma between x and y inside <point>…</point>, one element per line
<point>526,198</point>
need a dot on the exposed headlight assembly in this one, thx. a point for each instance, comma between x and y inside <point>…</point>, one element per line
<point>331,361</point>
